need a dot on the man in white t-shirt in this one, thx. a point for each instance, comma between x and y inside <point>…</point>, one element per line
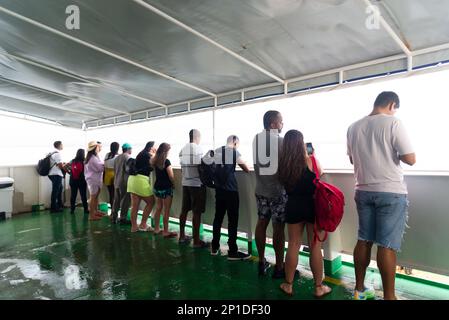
<point>376,146</point>
<point>56,175</point>
<point>193,191</point>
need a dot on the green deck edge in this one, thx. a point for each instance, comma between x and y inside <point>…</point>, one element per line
<point>330,267</point>
<point>405,277</point>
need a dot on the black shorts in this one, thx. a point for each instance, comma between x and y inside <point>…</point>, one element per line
<point>299,209</point>
<point>194,199</point>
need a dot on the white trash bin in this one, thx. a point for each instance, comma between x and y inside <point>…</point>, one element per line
<point>6,196</point>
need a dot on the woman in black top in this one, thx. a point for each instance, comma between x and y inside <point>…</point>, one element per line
<point>296,175</point>
<point>163,188</point>
<point>140,188</point>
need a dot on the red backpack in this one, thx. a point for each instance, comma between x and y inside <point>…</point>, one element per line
<point>329,205</point>
<point>77,169</point>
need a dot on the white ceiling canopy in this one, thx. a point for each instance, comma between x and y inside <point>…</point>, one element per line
<point>134,59</point>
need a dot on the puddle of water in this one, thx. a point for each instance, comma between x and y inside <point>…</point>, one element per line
<point>72,278</point>
<point>63,286</point>
<point>16,282</point>
<point>8,269</point>
<point>29,230</point>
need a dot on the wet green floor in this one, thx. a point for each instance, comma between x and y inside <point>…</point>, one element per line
<point>60,256</point>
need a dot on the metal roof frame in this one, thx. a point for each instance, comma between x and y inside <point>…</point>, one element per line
<point>77,77</point>
<point>339,72</point>
<point>280,88</point>
<point>109,53</point>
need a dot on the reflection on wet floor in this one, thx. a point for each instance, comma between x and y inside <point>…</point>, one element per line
<point>44,256</point>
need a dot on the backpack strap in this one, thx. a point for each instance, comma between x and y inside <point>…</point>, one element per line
<point>50,155</point>
<point>316,236</point>
<point>223,156</point>
<point>315,169</point>
<point>223,151</point>
<point>124,165</point>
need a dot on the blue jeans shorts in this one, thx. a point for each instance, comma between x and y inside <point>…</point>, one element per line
<point>163,193</point>
<point>382,218</point>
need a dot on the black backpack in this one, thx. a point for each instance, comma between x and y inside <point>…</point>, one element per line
<point>206,170</point>
<point>130,167</point>
<point>223,170</point>
<point>44,165</point>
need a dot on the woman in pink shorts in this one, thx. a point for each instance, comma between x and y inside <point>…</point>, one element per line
<point>93,171</point>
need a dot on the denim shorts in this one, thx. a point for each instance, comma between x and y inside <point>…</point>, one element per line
<point>163,193</point>
<point>382,218</point>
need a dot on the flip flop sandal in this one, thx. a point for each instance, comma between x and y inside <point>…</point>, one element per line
<point>171,235</point>
<point>158,232</point>
<point>147,229</point>
<point>94,218</point>
<point>185,240</point>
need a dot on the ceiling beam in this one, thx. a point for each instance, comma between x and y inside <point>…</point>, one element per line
<point>104,51</point>
<point>441,47</point>
<point>392,34</point>
<point>209,40</point>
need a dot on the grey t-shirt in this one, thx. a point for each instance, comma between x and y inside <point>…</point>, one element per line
<point>190,158</point>
<point>120,177</point>
<point>266,149</point>
<point>375,144</point>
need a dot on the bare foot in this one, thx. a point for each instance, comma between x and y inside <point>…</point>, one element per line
<point>201,245</point>
<point>287,288</point>
<point>94,218</point>
<point>134,229</point>
<point>143,226</point>
<point>322,290</point>
<point>157,231</point>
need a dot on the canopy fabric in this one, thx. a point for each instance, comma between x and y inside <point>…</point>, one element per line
<point>135,59</point>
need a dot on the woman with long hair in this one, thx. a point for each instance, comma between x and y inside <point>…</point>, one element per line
<point>163,189</point>
<point>78,181</point>
<point>109,170</point>
<point>296,174</point>
<point>93,171</point>
<point>139,187</point>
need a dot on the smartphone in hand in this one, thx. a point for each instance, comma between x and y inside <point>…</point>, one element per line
<point>309,148</point>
